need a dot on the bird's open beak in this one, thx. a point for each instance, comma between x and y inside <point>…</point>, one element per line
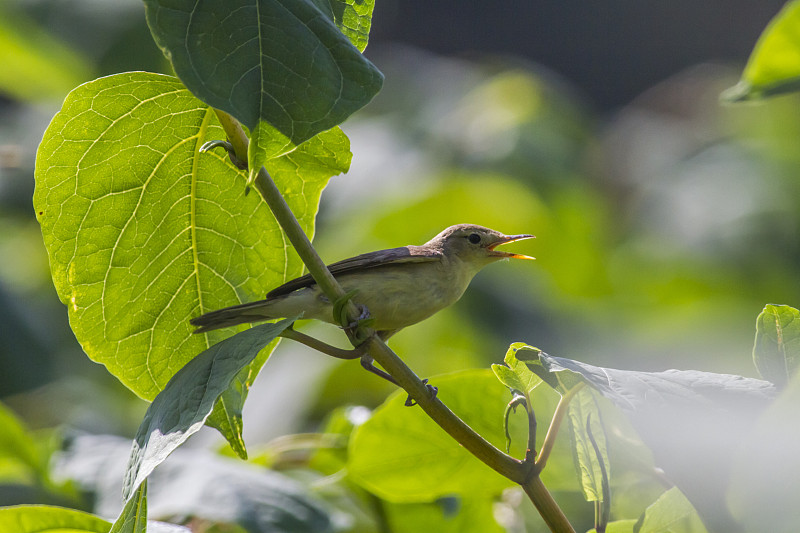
<point>506,239</point>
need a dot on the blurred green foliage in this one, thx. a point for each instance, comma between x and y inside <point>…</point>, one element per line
<point>662,230</point>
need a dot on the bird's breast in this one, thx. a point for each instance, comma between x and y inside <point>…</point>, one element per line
<point>402,295</point>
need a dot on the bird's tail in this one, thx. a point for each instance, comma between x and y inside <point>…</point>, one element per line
<point>233,316</point>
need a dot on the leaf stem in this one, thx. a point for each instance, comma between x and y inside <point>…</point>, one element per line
<point>485,451</point>
<point>555,424</point>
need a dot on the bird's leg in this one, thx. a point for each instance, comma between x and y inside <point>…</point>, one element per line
<point>433,391</point>
<point>367,363</point>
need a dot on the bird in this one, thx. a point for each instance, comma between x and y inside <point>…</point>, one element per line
<point>397,287</point>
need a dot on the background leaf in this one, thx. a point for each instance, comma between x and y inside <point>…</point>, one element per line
<point>764,480</point>
<point>691,420</point>
<point>36,65</point>
<point>143,232</point>
<point>182,407</point>
<point>198,484</point>
<point>776,352</point>
<point>670,513</point>
<point>284,62</point>
<point>44,519</point>
<point>403,456</point>
<point>774,65</point>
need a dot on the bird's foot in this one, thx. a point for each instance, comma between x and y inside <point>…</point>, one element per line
<point>352,328</point>
<point>433,391</point>
<point>238,163</point>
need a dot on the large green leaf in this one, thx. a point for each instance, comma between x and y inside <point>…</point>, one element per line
<point>45,519</point>
<point>144,232</point>
<point>774,65</point>
<point>691,420</point>
<point>403,456</point>
<point>284,62</point>
<point>181,409</point>
<point>776,351</point>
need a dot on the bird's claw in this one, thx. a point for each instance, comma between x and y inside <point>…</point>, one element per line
<point>210,145</point>
<point>351,327</point>
<point>432,390</point>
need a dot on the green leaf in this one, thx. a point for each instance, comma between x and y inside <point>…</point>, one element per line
<point>182,407</point>
<point>144,232</point>
<point>133,518</point>
<point>691,420</point>
<point>46,519</point>
<point>516,375</point>
<point>403,456</point>
<point>774,65</point>
<point>594,470</point>
<point>776,351</point>
<point>670,513</point>
<point>284,62</point>
<point>445,515</point>
<point>18,447</point>
<point>352,17</point>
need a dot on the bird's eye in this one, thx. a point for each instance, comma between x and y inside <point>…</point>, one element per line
<point>474,238</point>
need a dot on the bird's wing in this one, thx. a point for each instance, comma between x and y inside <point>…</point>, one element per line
<point>392,256</point>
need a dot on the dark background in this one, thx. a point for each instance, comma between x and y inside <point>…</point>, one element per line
<point>610,50</point>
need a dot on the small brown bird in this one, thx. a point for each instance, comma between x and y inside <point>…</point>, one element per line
<point>399,286</point>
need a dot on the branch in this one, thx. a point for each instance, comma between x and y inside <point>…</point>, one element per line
<point>502,463</point>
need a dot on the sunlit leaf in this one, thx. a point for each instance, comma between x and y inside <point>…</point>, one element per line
<point>403,456</point>
<point>352,17</point>
<point>144,232</point>
<point>776,351</point>
<point>182,407</point>
<point>774,65</point>
<point>46,519</point>
<point>133,518</point>
<point>595,471</point>
<point>446,515</point>
<point>284,62</point>
<point>671,513</point>
<point>516,375</point>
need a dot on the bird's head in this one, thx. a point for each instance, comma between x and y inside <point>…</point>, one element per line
<point>475,244</point>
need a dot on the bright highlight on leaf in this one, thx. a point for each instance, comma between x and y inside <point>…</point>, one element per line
<point>776,352</point>
<point>144,232</point>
